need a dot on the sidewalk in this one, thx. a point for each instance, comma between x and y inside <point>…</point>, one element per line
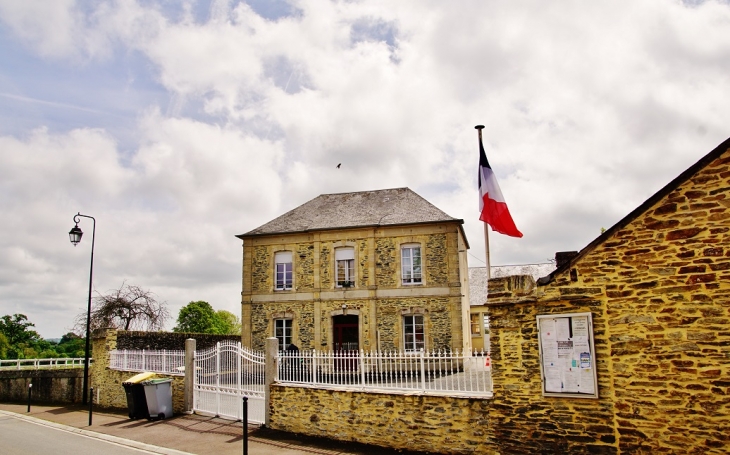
<point>192,434</point>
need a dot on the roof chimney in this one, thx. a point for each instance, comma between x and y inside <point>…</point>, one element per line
<point>563,257</point>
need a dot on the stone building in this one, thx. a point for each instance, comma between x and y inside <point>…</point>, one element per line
<point>657,285</point>
<point>373,270</point>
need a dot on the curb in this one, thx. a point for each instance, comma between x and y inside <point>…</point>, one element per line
<point>93,434</point>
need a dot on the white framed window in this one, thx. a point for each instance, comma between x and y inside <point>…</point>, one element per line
<point>414,336</point>
<point>284,272</point>
<point>411,264</point>
<point>283,332</point>
<point>345,267</point>
<point>476,324</point>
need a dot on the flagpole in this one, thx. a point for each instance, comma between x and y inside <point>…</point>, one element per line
<point>479,129</point>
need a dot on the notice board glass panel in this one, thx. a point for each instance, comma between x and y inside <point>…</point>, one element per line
<point>567,355</point>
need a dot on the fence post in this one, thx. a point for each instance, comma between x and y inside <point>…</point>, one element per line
<point>270,374</point>
<point>423,373</point>
<point>189,381</point>
<point>362,368</point>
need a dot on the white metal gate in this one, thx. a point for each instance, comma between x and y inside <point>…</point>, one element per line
<point>224,375</point>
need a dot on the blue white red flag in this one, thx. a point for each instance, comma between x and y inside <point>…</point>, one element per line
<point>492,206</point>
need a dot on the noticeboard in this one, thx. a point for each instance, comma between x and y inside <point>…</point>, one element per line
<point>567,355</point>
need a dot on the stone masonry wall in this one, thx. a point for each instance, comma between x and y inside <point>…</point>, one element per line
<point>262,279</point>
<point>108,389</point>
<point>385,262</point>
<point>436,264</point>
<point>63,385</point>
<point>658,286</point>
<point>315,298</point>
<point>262,317</point>
<point>438,326</point>
<point>407,422</point>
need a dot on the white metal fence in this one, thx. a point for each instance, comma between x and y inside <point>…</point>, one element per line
<point>42,364</point>
<point>165,362</point>
<point>226,373</point>
<point>437,373</point>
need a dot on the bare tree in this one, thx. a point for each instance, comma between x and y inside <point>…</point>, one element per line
<point>126,308</point>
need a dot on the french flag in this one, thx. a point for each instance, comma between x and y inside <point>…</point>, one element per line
<point>492,206</point>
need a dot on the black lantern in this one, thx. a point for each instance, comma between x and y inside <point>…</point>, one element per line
<point>75,235</point>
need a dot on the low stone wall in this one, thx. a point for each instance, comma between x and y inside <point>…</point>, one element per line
<point>109,391</point>
<point>49,386</point>
<point>413,422</point>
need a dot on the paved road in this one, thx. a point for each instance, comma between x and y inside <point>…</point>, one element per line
<point>20,437</point>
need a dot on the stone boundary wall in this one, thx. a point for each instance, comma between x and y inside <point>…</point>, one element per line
<point>109,391</point>
<point>171,341</point>
<point>49,386</point>
<point>107,383</point>
<point>408,422</point>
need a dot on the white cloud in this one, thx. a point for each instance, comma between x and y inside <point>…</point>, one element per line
<point>589,109</point>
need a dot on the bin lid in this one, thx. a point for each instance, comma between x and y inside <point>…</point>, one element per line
<point>157,381</point>
<point>136,379</point>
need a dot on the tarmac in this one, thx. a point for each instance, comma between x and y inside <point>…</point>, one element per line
<point>185,434</point>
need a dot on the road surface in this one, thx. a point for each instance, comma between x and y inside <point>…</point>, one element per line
<point>21,437</point>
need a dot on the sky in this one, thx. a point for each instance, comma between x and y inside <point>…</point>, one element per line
<point>178,124</point>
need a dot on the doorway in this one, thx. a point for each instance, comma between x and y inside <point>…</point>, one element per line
<point>345,333</point>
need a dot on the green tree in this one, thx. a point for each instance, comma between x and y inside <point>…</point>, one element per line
<point>20,338</point>
<point>16,329</point>
<point>228,323</point>
<point>197,317</point>
<point>4,346</point>
<point>71,345</point>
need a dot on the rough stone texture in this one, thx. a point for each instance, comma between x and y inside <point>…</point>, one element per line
<point>302,316</point>
<point>412,422</point>
<point>49,386</point>
<point>378,298</point>
<point>657,285</point>
<point>385,262</point>
<point>364,275</point>
<point>305,267</point>
<point>326,274</point>
<point>107,383</point>
<point>438,327</point>
<point>436,260</point>
<point>263,279</point>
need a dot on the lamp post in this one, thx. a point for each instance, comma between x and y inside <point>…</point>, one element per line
<point>75,236</point>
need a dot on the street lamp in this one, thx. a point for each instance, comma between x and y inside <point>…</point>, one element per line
<point>75,236</point>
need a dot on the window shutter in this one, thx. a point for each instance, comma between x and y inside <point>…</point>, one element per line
<point>283,257</point>
<point>343,254</point>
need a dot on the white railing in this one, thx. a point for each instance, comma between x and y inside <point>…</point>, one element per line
<point>166,362</point>
<point>42,364</point>
<point>433,373</point>
<point>225,373</point>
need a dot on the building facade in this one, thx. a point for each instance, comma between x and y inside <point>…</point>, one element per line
<point>375,270</point>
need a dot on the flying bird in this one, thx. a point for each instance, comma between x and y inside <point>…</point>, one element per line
<point>338,166</point>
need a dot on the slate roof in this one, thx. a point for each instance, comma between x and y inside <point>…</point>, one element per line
<point>395,206</point>
<point>638,211</point>
<point>478,277</point>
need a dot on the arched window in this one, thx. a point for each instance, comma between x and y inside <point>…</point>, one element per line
<point>283,271</point>
<point>411,264</point>
<point>345,267</point>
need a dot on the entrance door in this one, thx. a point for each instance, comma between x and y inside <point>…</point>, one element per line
<point>345,342</point>
<point>345,333</point>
